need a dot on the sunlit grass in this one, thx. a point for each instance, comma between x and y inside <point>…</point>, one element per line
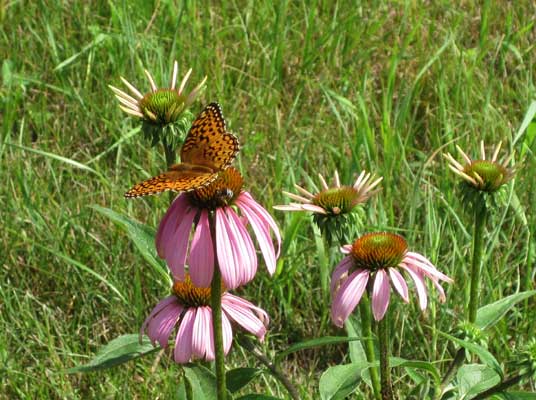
<point>307,88</point>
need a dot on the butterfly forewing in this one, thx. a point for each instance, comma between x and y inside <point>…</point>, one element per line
<point>208,143</point>
<point>207,150</point>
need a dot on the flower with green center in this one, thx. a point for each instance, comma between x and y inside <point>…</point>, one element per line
<point>372,261</point>
<point>160,106</point>
<point>188,307</point>
<point>333,201</point>
<point>483,175</point>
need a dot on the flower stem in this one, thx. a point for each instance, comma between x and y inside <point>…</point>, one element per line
<point>478,240</point>
<point>501,387</point>
<point>248,345</point>
<point>366,331</point>
<point>383,339</point>
<point>169,152</point>
<point>215,300</point>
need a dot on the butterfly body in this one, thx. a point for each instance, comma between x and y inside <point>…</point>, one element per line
<point>207,150</point>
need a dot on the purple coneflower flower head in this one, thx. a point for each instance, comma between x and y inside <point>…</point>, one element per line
<point>378,261</point>
<point>484,174</point>
<point>224,207</point>
<point>160,106</point>
<point>335,200</point>
<point>188,312</point>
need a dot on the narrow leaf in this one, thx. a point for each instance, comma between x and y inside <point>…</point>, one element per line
<point>202,381</point>
<point>490,314</point>
<point>309,344</point>
<point>239,377</point>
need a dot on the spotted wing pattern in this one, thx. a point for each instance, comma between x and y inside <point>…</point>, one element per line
<point>207,150</point>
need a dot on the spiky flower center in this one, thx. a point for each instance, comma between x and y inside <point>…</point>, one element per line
<point>488,174</point>
<point>190,295</point>
<point>220,193</point>
<point>163,106</point>
<point>337,201</point>
<point>381,250</point>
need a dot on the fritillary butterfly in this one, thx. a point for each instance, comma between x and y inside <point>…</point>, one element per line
<point>207,150</point>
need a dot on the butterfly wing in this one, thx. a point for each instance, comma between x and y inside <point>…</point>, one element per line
<point>208,143</point>
<point>180,178</point>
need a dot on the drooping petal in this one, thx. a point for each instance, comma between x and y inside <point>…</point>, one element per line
<point>183,343</point>
<point>340,270</point>
<point>246,256</point>
<point>262,233</point>
<point>348,296</point>
<point>169,225</point>
<point>159,307</point>
<point>181,237</point>
<point>419,285</point>
<point>380,294</point>
<point>244,317</point>
<point>203,338</point>
<point>201,259</point>
<point>442,297</point>
<point>399,284</point>
<point>346,248</point>
<point>240,302</point>
<point>227,333</point>
<point>421,262</point>
<point>248,201</point>
<point>161,325</point>
<point>313,208</point>
<point>226,252</point>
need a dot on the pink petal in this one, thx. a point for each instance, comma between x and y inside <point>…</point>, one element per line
<point>243,245</point>
<point>227,333</point>
<point>169,224</point>
<point>183,343</point>
<point>399,284</point>
<point>203,338</point>
<point>244,317</point>
<point>380,294</point>
<point>262,233</point>
<point>246,199</point>
<point>225,252</point>
<point>240,302</point>
<point>346,249</point>
<point>288,207</point>
<point>348,296</point>
<point>159,307</point>
<point>423,263</point>
<point>419,285</point>
<point>177,258</point>
<point>340,270</point>
<point>161,325</point>
<point>442,297</point>
<point>314,208</point>
<point>201,259</point>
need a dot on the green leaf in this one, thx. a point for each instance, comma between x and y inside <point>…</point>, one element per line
<point>142,236</point>
<point>489,314</point>
<point>309,344</point>
<point>485,356</point>
<point>118,351</point>
<point>474,379</point>
<point>422,365</point>
<point>239,377</point>
<point>519,395</point>
<point>339,381</point>
<point>254,396</point>
<point>355,347</point>
<point>202,381</point>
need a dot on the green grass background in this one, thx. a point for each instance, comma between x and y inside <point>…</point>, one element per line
<point>308,87</point>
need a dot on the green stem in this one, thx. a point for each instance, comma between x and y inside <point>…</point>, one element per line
<point>480,218</point>
<point>248,345</point>
<point>500,387</point>
<point>215,300</point>
<point>478,241</point>
<point>366,330</point>
<point>169,152</point>
<point>383,339</point>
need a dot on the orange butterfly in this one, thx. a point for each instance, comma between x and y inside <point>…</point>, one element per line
<point>207,150</point>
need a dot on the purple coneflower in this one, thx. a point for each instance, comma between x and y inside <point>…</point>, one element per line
<point>336,200</point>
<point>189,309</point>
<point>484,175</point>
<point>160,106</point>
<point>377,261</point>
<point>230,209</point>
